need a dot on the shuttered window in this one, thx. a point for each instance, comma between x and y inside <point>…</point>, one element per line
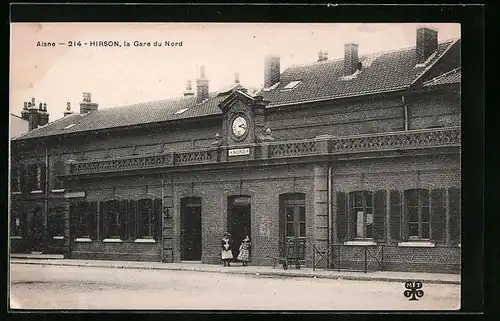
<point>395,215</point>
<point>56,221</point>
<point>360,215</point>
<point>15,179</point>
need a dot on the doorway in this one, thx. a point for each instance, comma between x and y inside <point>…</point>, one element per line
<point>37,229</point>
<point>191,229</point>
<point>238,220</point>
<point>292,220</point>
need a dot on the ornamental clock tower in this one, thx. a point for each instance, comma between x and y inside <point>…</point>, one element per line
<point>242,125</point>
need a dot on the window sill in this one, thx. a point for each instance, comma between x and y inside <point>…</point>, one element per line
<point>15,237</point>
<point>58,237</point>
<point>36,192</point>
<point>360,242</point>
<point>459,245</point>
<point>416,244</point>
<point>112,241</point>
<point>59,190</point>
<point>144,241</point>
<point>83,240</point>
<point>16,193</point>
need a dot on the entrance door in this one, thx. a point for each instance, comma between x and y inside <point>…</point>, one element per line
<point>239,220</point>
<point>293,219</point>
<point>191,229</point>
<point>37,229</point>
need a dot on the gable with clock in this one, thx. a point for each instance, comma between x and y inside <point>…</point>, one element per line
<point>243,121</point>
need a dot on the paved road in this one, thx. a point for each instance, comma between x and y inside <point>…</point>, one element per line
<point>62,287</point>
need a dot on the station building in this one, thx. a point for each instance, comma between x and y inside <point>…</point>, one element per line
<point>348,154</point>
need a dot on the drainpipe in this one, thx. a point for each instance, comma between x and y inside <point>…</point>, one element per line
<point>46,194</point>
<point>162,221</point>
<point>405,112</point>
<point>330,214</point>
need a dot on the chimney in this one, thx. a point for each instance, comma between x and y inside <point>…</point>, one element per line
<point>43,115</point>
<point>236,77</point>
<point>25,111</point>
<point>427,43</point>
<point>189,89</point>
<point>33,115</point>
<point>271,71</point>
<point>350,58</point>
<point>202,86</point>
<point>86,106</point>
<point>322,55</point>
<point>68,109</point>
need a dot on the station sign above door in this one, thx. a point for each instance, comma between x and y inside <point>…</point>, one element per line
<point>239,152</point>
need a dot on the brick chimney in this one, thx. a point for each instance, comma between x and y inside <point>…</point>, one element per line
<point>86,106</point>
<point>271,71</point>
<point>322,55</point>
<point>350,58</point>
<point>427,43</point>
<point>33,115</point>
<point>43,114</point>
<point>201,86</point>
<point>68,109</point>
<point>25,112</point>
<point>189,89</point>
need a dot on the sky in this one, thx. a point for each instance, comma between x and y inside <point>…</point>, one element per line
<point>117,76</point>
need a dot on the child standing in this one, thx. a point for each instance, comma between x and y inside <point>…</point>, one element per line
<point>227,254</point>
<point>244,255</point>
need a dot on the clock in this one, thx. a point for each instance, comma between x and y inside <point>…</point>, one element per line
<point>239,126</point>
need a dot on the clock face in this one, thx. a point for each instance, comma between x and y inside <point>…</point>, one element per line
<point>240,126</point>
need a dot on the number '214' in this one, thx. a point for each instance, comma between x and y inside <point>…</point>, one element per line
<point>74,44</point>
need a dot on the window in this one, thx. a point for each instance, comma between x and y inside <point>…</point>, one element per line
<point>17,221</point>
<point>35,177</point>
<point>56,221</point>
<point>292,84</point>
<point>145,217</point>
<point>15,178</point>
<point>361,213</point>
<point>83,217</point>
<point>418,213</point>
<point>112,219</point>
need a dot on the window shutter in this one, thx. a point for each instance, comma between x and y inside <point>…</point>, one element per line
<point>22,178</point>
<point>14,172</point>
<point>350,216</point>
<point>133,219</point>
<point>73,220</point>
<point>157,218</point>
<point>437,215</point>
<point>379,210</point>
<point>395,214</point>
<point>123,219</point>
<point>341,216</point>
<point>455,216</point>
<point>92,210</point>
<point>102,220</point>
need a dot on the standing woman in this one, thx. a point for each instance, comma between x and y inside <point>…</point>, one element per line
<point>244,255</point>
<point>227,254</point>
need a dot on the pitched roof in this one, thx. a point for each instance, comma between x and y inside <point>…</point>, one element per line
<point>450,77</point>
<point>381,72</point>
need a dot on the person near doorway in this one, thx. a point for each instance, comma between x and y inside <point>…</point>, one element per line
<point>244,255</point>
<point>227,254</point>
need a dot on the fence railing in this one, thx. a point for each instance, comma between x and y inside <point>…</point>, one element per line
<point>370,257</point>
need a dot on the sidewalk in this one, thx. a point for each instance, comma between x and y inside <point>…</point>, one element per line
<point>238,269</point>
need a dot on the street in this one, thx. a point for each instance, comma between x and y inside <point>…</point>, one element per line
<point>66,287</point>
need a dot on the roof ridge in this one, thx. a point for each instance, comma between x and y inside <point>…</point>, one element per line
<point>368,55</point>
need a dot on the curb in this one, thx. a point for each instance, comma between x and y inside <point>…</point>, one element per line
<point>263,273</point>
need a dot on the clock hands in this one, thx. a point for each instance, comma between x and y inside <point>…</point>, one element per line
<point>242,126</point>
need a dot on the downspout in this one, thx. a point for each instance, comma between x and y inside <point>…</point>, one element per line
<point>330,214</point>
<point>162,221</point>
<point>46,194</point>
<point>405,112</point>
